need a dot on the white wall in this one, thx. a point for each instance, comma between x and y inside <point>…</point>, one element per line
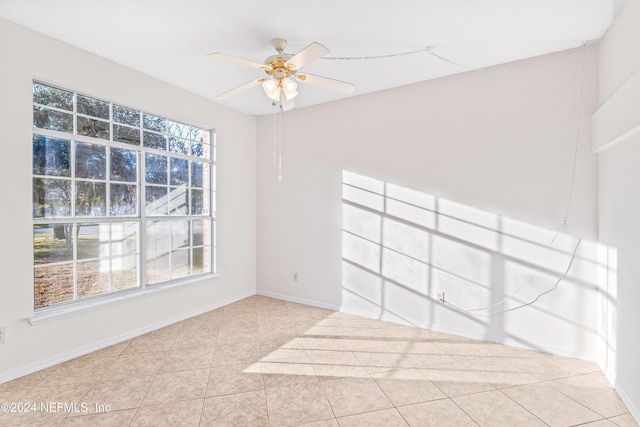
<point>489,153</point>
<point>617,127</point>
<point>26,55</point>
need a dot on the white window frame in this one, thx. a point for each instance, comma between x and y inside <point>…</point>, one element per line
<point>142,218</point>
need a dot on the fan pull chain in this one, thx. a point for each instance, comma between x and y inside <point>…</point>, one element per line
<point>274,134</point>
<point>277,137</point>
<point>280,144</point>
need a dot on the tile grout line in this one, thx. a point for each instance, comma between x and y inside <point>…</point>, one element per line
<point>324,392</point>
<point>154,376</point>
<point>264,386</point>
<point>464,412</point>
<point>552,367</point>
<point>520,405</point>
<point>602,417</point>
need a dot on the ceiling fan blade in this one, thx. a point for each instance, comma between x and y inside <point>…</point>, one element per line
<point>308,54</point>
<point>239,89</point>
<point>326,82</point>
<point>236,60</point>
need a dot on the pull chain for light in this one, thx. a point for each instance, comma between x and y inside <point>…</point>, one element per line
<point>280,144</point>
<point>277,137</point>
<point>274,134</point>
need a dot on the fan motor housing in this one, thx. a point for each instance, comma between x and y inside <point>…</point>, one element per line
<point>278,67</point>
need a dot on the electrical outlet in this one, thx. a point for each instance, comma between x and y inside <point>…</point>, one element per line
<point>2,333</point>
<point>295,277</point>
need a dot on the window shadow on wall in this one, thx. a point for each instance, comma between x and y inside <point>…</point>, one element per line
<point>414,258</point>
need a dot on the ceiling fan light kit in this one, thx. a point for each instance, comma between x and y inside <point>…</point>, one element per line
<point>282,70</point>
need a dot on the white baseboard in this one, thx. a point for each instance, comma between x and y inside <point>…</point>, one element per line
<point>434,327</point>
<point>298,300</point>
<point>484,337</point>
<point>630,404</point>
<point>81,351</point>
<point>608,371</point>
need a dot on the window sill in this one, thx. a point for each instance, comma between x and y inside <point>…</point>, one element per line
<point>52,313</point>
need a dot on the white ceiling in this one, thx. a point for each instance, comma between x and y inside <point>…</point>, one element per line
<point>169,39</point>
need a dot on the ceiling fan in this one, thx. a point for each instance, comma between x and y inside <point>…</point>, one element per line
<point>282,74</point>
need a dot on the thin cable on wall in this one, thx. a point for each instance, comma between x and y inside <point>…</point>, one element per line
<point>577,140</point>
<point>430,50</point>
<point>370,57</point>
<point>564,221</point>
<point>533,301</point>
<point>494,69</point>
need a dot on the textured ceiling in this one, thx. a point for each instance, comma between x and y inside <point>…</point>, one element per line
<point>170,39</point>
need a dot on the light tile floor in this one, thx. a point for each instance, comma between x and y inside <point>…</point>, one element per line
<point>262,361</point>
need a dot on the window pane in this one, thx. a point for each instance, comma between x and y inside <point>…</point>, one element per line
<point>124,165</point>
<point>198,261</point>
<point>93,107</point>
<point>197,176</point>
<point>93,241</point>
<point>197,202</point>
<point>155,123</point>
<point>180,234</point>
<point>51,156</point>
<point>123,199</point>
<point>91,161</point>
<point>178,145</point>
<point>126,134</point>
<point>124,238</point>
<point>179,171</point>
<point>201,260</point>
<point>126,115</point>
<point>52,243</point>
<point>156,169</point>
<point>158,238</point>
<point>180,263</point>
<point>53,97</point>
<point>197,149</point>
<point>156,201</point>
<point>93,128</point>
<point>200,232</point>
<point>178,129</point>
<point>178,200</point>
<point>154,140</point>
<point>158,269</point>
<point>44,118</point>
<point>158,245</point>
<point>51,197</point>
<point>197,134</point>
<point>93,278</point>
<point>91,198</point>
<point>52,285</point>
<point>124,273</point>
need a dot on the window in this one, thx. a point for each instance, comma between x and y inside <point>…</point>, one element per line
<point>122,199</point>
